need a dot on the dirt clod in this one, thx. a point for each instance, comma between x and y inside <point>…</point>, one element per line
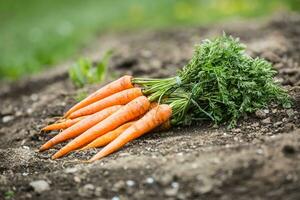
<point>40,186</point>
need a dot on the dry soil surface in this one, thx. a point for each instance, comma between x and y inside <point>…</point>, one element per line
<point>259,159</point>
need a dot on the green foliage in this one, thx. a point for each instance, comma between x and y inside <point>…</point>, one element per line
<point>220,83</point>
<point>48,31</point>
<point>83,72</point>
<point>9,194</point>
<point>80,95</point>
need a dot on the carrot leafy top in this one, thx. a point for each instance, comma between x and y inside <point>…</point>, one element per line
<point>220,82</point>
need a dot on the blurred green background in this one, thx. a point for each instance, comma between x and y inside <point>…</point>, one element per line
<point>35,34</point>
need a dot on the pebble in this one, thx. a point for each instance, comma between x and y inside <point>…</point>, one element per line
<point>236,130</point>
<point>7,118</point>
<point>266,121</point>
<point>98,191</point>
<point>166,179</point>
<point>259,151</point>
<point>130,183</point>
<point>25,147</point>
<point>29,111</point>
<point>19,113</point>
<point>150,180</point>
<point>87,190</point>
<point>290,112</point>
<point>77,179</point>
<point>175,185</point>
<point>277,124</point>
<point>260,114</point>
<point>171,192</point>
<point>115,198</point>
<point>118,185</point>
<point>71,170</point>
<point>40,186</point>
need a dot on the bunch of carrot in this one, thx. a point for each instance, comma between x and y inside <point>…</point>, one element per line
<point>112,116</point>
<point>220,83</point>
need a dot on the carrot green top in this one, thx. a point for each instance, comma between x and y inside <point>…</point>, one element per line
<point>220,82</point>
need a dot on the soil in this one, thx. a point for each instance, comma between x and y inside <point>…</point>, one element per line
<point>258,159</point>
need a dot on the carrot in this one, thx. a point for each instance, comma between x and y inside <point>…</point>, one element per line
<point>80,127</point>
<point>130,111</point>
<point>63,125</point>
<point>122,83</point>
<point>108,137</point>
<point>119,98</point>
<point>152,119</point>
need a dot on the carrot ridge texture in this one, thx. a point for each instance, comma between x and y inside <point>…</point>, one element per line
<point>118,85</point>
<point>63,125</point>
<point>152,119</point>
<point>80,127</point>
<point>130,111</point>
<point>119,98</point>
<point>108,137</point>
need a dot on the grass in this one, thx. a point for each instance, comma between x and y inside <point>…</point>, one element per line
<point>85,72</point>
<point>35,34</point>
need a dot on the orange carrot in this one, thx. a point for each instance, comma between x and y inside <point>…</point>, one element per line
<point>130,111</point>
<point>122,83</point>
<point>119,98</point>
<point>152,119</point>
<point>63,125</point>
<point>108,137</point>
<point>80,127</point>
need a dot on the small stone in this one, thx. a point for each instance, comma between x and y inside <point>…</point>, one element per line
<point>98,191</point>
<point>115,198</point>
<point>259,151</point>
<point>70,170</point>
<point>266,121</point>
<point>277,124</point>
<point>29,111</point>
<point>40,186</point>
<point>150,180</point>
<point>77,179</point>
<point>118,185</point>
<point>87,190</point>
<point>175,185</point>
<point>255,124</point>
<point>171,192</point>
<point>267,111</point>
<point>166,179</point>
<point>236,130</point>
<point>290,112</point>
<point>260,114</point>
<point>25,147</point>
<point>130,183</point>
<point>24,174</point>
<point>19,113</point>
<point>7,118</point>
